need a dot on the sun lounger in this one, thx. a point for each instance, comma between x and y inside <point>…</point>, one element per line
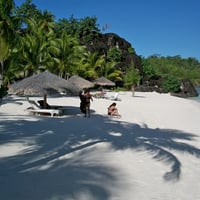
<point>114,97</point>
<point>99,95</point>
<point>35,109</point>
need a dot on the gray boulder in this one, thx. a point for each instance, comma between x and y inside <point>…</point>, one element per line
<point>187,89</point>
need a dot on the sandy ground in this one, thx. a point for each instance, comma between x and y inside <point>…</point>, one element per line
<point>151,153</point>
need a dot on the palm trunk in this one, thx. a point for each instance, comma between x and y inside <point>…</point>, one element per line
<point>133,90</point>
<point>1,81</point>
<point>45,101</point>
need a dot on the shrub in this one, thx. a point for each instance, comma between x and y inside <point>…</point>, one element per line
<point>3,91</point>
<point>131,77</point>
<point>171,85</point>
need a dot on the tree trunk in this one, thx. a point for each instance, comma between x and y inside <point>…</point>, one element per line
<point>1,78</point>
<point>45,101</point>
<point>133,90</point>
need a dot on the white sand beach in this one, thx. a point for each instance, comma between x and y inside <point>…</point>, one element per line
<point>151,153</point>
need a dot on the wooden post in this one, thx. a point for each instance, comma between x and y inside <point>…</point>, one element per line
<point>45,101</point>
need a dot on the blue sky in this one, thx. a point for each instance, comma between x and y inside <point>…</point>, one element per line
<point>163,27</point>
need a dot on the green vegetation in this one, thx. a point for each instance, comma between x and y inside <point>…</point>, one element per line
<point>171,85</point>
<point>3,92</point>
<point>132,77</point>
<point>172,68</point>
<point>114,54</point>
<point>31,40</point>
<point>40,43</point>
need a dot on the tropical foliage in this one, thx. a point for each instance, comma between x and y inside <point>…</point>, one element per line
<point>31,40</point>
<point>171,85</point>
<point>3,92</point>
<point>42,43</point>
<point>132,77</point>
<point>6,31</point>
<point>173,68</point>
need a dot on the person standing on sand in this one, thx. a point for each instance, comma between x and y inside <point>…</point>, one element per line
<point>88,99</point>
<point>82,103</point>
<point>85,98</point>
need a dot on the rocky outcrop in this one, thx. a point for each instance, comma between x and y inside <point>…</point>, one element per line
<point>101,44</point>
<point>154,83</point>
<point>187,89</point>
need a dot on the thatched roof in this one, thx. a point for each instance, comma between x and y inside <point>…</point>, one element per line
<point>80,82</point>
<point>102,81</point>
<point>43,83</point>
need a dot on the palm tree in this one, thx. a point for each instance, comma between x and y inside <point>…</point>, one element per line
<point>91,65</point>
<point>6,31</point>
<point>4,49</point>
<point>66,51</point>
<point>132,78</point>
<point>111,72</point>
<point>46,22</point>
<point>35,45</point>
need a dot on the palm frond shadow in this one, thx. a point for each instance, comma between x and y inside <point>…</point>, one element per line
<point>50,140</point>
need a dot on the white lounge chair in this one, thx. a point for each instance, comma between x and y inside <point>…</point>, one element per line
<point>99,95</point>
<point>37,110</point>
<point>114,97</point>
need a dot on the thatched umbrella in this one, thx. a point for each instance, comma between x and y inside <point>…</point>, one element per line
<point>42,84</point>
<point>80,82</point>
<point>102,81</point>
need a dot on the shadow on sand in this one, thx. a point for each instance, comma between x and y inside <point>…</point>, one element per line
<point>50,166</point>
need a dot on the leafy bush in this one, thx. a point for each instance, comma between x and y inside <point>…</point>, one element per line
<point>3,91</point>
<point>148,71</point>
<point>131,50</point>
<point>131,77</point>
<point>114,54</point>
<point>171,85</point>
